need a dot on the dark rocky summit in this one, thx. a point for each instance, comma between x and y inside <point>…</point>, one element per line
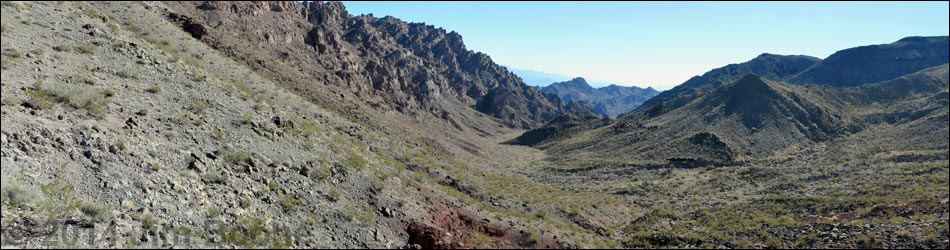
<point>608,101</point>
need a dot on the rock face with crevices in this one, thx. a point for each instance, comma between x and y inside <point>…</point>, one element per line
<point>411,68</point>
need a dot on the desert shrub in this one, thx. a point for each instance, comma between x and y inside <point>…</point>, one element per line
<point>87,48</point>
<point>93,101</point>
<point>154,89</point>
<point>62,47</point>
<point>95,213</point>
<point>12,194</point>
<point>356,160</point>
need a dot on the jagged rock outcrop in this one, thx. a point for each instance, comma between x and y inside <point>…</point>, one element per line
<point>390,64</point>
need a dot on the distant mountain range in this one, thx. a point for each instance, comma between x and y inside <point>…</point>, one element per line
<point>541,79</point>
<point>608,101</point>
<point>770,103</point>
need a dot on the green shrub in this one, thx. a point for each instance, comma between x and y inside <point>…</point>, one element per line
<point>95,213</point>
<point>356,160</point>
<point>234,156</point>
<point>148,221</point>
<point>334,195</point>
<point>213,211</point>
<point>540,214</point>
<point>62,47</point>
<point>15,195</point>
<point>246,119</point>
<point>219,134</point>
<point>87,48</point>
<point>112,26</point>
<point>108,92</point>
<point>288,203</point>
<point>13,53</point>
<point>94,102</point>
<point>154,89</point>
<point>125,74</point>
<point>197,106</point>
<point>88,80</point>
<point>216,177</point>
<point>122,144</point>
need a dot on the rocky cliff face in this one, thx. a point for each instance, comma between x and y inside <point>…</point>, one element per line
<point>609,101</point>
<point>391,64</point>
<point>120,121</point>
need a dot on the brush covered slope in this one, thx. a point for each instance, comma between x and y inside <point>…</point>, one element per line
<point>288,124</point>
<point>769,66</point>
<point>763,163</point>
<point>131,123</point>
<point>392,65</point>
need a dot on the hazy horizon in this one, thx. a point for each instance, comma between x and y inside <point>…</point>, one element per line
<point>662,44</point>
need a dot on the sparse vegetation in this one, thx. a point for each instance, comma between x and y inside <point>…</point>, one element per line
<point>88,80</point>
<point>108,92</point>
<point>334,195</point>
<point>247,119</point>
<point>94,102</point>
<point>62,47</point>
<point>94,213</point>
<point>15,195</point>
<point>288,203</point>
<point>234,156</point>
<point>125,74</point>
<point>112,26</point>
<point>219,134</point>
<point>356,160</point>
<point>251,232</point>
<point>216,177</point>
<point>87,48</point>
<point>213,211</point>
<point>197,106</point>
<point>154,89</point>
<point>639,182</point>
<point>149,222</point>
<point>13,53</point>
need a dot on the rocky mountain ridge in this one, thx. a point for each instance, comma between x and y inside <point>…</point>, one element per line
<point>411,68</point>
<point>609,101</point>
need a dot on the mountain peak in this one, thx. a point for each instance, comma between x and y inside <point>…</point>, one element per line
<point>766,65</point>
<point>610,100</point>
<point>876,63</point>
<point>768,55</point>
<point>752,80</point>
<point>923,39</point>
<point>577,82</point>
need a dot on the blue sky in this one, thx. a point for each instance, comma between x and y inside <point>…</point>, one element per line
<point>662,44</point>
